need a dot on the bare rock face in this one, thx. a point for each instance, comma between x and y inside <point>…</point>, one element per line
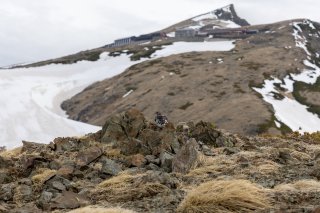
<point>206,133</point>
<point>68,200</point>
<point>123,126</point>
<point>87,156</point>
<point>187,157</point>
<point>229,13</point>
<point>131,133</point>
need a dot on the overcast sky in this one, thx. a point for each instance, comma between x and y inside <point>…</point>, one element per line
<point>33,30</point>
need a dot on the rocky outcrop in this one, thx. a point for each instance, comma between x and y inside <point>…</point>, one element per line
<point>135,164</point>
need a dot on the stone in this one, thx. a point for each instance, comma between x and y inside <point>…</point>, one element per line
<point>224,141</point>
<point>284,156</point>
<point>137,160</point>
<point>69,200</point>
<point>6,192</point>
<point>207,151</point>
<point>152,166</point>
<point>23,193</point>
<point>123,126</point>
<point>186,158</point>
<point>110,167</point>
<point>45,199</point>
<point>66,171</point>
<point>316,210</point>
<point>66,144</point>
<point>230,150</point>
<point>58,185</point>
<point>31,147</point>
<point>87,156</point>
<point>150,158</point>
<point>133,122</point>
<point>160,177</point>
<point>166,161</point>
<point>205,132</point>
<point>5,177</point>
<point>130,146</point>
<point>26,181</point>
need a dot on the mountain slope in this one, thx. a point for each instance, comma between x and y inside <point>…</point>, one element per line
<point>216,86</point>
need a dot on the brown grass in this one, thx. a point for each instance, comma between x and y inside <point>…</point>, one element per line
<point>93,209</point>
<point>11,153</point>
<point>301,185</point>
<point>125,187</point>
<point>218,164</point>
<point>42,176</point>
<point>225,196</point>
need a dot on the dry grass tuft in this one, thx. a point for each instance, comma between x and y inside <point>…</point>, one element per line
<point>93,209</point>
<point>219,164</point>
<point>225,196</point>
<point>125,187</point>
<point>301,185</point>
<point>42,176</point>
<point>11,153</point>
<point>300,156</point>
<point>268,168</point>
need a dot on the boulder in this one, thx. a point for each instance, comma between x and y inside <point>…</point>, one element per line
<point>123,126</point>
<point>62,144</point>
<point>186,158</point>
<point>31,147</point>
<point>87,156</point>
<point>5,177</point>
<point>45,199</point>
<point>23,193</point>
<point>209,135</point>
<point>6,192</point>
<point>166,161</point>
<point>69,200</point>
<point>137,160</point>
<point>110,167</point>
<point>66,171</point>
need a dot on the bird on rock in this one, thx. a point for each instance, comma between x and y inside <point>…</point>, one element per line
<point>161,120</point>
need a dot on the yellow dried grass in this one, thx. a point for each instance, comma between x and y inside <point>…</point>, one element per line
<point>93,209</point>
<point>301,185</point>
<point>225,196</point>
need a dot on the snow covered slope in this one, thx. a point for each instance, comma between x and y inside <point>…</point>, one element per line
<point>288,110</point>
<point>31,97</point>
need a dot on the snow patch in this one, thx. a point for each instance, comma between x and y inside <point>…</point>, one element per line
<point>128,93</point>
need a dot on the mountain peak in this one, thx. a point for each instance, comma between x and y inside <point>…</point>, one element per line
<point>226,13</point>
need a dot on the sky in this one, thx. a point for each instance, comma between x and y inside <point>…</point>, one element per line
<point>36,30</point>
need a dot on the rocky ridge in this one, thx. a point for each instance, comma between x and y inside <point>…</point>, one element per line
<point>134,164</point>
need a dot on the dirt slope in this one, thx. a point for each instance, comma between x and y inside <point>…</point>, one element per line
<point>197,86</point>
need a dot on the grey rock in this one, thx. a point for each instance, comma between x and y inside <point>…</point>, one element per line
<point>23,193</point>
<point>69,200</point>
<point>87,156</point>
<point>5,177</point>
<point>166,161</point>
<point>187,157</point>
<point>31,147</point>
<point>152,166</point>
<point>6,192</point>
<point>110,167</point>
<point>45,199</point>
<point>58,185</point>
<point>230,150</point>
<point>150,158</point>
<point>25,181</point>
